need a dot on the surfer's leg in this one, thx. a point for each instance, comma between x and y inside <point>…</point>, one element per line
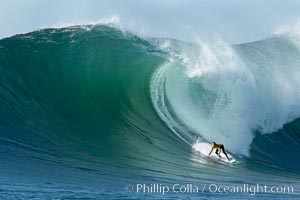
<point>223,149</point>
<point>218,153</point>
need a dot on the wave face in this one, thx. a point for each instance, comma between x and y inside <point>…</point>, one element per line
<point>84,88</point>
<point>97,98</point>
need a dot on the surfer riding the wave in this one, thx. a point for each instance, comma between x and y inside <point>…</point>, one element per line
<point>218,147</point>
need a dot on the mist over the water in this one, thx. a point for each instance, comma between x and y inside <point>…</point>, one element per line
<point>235,21</point>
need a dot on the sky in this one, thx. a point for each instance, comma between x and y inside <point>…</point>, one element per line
<point>236,21</point>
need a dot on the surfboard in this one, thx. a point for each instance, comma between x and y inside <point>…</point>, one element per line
<point>234,161</point>
<point>225,160</point>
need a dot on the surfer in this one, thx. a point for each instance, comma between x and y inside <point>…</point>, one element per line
<point>218,147</point>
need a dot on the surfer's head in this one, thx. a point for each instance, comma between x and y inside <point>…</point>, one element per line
<point>214,143</point>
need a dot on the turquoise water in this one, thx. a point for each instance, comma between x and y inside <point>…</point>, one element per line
<point>87,110</point>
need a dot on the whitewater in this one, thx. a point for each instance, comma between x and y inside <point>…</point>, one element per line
<point>87,110</point>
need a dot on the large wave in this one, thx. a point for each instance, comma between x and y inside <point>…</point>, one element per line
<point>118,97</point>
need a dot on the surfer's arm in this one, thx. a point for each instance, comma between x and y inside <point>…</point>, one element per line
<point>212,147</point>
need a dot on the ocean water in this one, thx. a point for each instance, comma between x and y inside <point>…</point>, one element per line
<point>94,112</point>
